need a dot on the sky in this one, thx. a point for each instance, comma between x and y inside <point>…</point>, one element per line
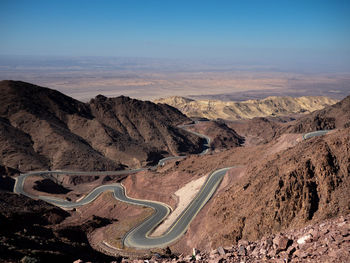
<point>245,31</point>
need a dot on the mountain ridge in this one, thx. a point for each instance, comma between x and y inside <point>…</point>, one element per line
<point>270,106</point>
<point>334,116</point>
<point>44,129</point>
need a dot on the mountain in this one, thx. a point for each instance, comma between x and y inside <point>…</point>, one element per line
<point>270,106</point>
<point>304,184</point>
<point>148,124</point>
<point>41,128</point>
<point>331,117</point>
<point>261,130</point>
<point>283,185</point>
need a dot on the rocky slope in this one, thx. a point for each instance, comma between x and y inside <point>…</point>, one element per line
<point>259,130</point>
<point>42,128</point>
<point>307,183</point>
<point>328,241</point>
<point>222,137</point>
<point>29,231</point>
<point>270,106</point>
<point>6,181</point>
<point>147,124</point>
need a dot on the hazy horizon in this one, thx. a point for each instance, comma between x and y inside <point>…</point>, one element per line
<point>311,34</point>
<point>147,78</point>
<point>152,49</point>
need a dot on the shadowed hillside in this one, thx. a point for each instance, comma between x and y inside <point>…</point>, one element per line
<point>42,128</point>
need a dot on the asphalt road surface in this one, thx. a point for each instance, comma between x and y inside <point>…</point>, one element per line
<point>314,134</point>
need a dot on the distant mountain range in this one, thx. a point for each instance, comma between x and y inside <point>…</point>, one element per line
<point>231,110</point>
<point>334,116</point>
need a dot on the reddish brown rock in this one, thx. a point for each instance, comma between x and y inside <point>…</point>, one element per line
<point>281,243</point>
<point>286,243</point>
<point>42,128</point>
<point>221,251</point>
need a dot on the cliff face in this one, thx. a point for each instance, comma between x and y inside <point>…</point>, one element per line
<point>307,183</point>
<point>43,128</point>
<point>271,106</point>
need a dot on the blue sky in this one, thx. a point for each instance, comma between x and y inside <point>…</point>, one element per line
<point>247,31</point>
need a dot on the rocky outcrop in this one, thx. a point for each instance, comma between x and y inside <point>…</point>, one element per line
<point>270,106</point>
<point>307,183</point>
<point>328,241</point>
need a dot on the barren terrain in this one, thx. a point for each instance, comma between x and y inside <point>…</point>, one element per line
<point>278,182</point>
<point>231,110</point>
<point>45,129</point>
<point>86,77</point>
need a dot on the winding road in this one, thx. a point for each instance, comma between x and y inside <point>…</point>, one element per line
<point>139,237</point>
<point>314,134</point>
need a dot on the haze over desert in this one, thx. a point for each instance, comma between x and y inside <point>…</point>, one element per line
<point>143,78</point>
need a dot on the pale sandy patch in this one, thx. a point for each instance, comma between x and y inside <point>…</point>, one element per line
<point>185,195</point>
<point>284,142</point>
